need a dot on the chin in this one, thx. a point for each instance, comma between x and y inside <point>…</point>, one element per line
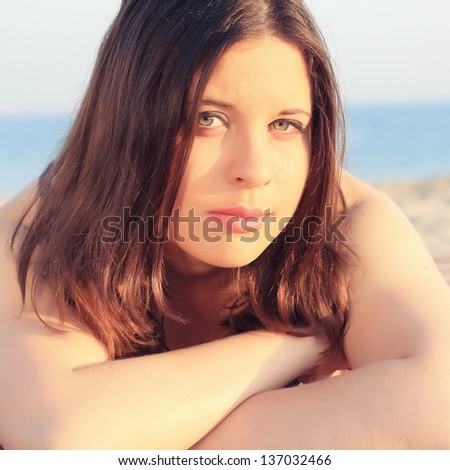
<point>229,255</point>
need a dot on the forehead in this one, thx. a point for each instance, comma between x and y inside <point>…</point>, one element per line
<point>267,71</point>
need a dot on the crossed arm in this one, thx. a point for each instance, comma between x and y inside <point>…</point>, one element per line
<point>58,391</point>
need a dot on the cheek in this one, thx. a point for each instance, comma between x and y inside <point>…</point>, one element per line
<point>292,173</point>
<point>200,170</point>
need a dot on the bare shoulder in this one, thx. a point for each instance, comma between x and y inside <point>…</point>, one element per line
<point>379,231</point>
<point>400,303</point>
<point>13,209</point>
<point>10,215</point>
<point>12,305</point>
<point>34,357</point>
<point>359,195</point>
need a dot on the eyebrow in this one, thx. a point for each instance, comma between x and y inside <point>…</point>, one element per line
<point>285,112</point>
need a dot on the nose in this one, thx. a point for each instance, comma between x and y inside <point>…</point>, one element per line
<point>250,164</point>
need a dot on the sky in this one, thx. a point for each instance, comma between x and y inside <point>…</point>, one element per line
<point>385,51</point>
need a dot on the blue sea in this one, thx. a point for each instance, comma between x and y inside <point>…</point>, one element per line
<point>383,143</point>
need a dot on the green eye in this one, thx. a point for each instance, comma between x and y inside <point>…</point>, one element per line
<point>282,126</point>
<point>212,119</point>
<point>206,120</point>
<point>287,126</point>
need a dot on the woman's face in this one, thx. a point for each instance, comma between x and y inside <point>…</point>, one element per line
<point>250,156</point>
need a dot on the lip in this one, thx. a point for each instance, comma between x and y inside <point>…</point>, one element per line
<point>240,219</point>
<point>241,212</point>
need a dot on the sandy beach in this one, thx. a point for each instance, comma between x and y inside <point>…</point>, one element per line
<point>427,205</point>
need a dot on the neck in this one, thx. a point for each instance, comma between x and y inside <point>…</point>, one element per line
<point>196,291</point>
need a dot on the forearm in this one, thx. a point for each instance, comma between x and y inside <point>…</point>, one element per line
<point>385,405</point>
<point>172,400</point>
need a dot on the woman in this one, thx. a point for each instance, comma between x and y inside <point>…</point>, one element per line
<point>197,210</point>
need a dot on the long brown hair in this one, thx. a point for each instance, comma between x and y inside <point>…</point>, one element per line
<point>128,147</point>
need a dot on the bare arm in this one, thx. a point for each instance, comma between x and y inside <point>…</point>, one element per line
<point>398,344</point>
<point>59,391</point>
<point>54,397</point>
